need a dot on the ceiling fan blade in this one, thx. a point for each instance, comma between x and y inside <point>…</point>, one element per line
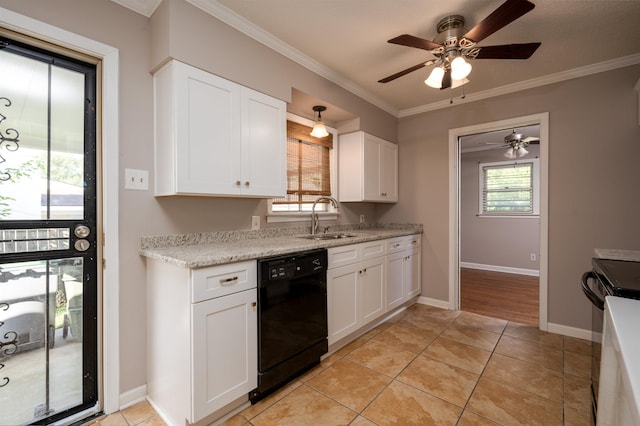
<point>446,79</point>
<point>413,41</point>
<point>508,51</point>
<point>531,140</point>
<point>405,72</point>
<point>508,12</point>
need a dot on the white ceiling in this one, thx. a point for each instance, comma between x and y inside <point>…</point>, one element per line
<point>346,41</point>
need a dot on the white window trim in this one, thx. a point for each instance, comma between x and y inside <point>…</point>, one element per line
<point>333,213</point>
<point>536,189</point>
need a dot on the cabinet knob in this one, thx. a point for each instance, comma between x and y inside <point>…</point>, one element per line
<point>238,183</point>
<point>247,183</point>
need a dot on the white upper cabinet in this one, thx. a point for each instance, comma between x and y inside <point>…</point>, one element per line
<point>367,169</point>
<point>214,137</point>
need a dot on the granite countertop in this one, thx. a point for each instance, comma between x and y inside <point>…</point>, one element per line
<point>216,248</point>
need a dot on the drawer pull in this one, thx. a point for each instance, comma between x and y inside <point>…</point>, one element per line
<point>396,245</point>
<point>229,281</point>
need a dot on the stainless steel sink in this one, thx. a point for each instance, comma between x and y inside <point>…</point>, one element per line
<point>327,236</point>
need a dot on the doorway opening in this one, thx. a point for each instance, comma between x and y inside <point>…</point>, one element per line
<point>499,217</point>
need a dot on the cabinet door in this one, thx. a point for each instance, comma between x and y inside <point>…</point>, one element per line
<point>371,165</point>
<point>372,289</point>
<point>412,277</point>
<point>395,273</point>
<point>342,301</point>
<point>264,144</point>
<point>388,172</point>
<point>207,110</point>
<point>224,351</point>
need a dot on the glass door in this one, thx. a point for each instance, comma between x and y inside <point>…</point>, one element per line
<point>48,235</point>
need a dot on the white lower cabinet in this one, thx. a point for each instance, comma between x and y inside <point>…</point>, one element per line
<point>201,339</point>
<point>224,351</point>
<point>366,280</point>
<point>355,287</point>
<point>356,296</point>
<point>403,270</point>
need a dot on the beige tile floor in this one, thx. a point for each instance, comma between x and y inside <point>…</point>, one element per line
<point>431,367</point>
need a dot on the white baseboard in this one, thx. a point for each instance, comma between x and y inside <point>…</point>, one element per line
<point>565,330</point>
<point>133,396</point>
<point>505,269</point>
<point>443,304</point>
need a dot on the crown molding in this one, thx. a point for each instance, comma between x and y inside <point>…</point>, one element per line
<point>241,24</point>
<point>528,84</point>
<point>226,15</point>
<point>143,7</point>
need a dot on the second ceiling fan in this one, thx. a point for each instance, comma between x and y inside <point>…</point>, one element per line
<point>454,45</point>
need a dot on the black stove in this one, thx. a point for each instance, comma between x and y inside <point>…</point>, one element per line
<point>619,277</point>
<point>608,277</point>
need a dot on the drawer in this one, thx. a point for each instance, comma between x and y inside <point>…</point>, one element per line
<point>413,241</point>
<point>216,281</point>
<point>373,249</point>
<point>343,255</point>
<point>395,245</point>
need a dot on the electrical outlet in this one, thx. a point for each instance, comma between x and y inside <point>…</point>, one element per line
<point>533,257</point>
<point>255,222</point>
<point>136,179</point>
<point>361,218</point>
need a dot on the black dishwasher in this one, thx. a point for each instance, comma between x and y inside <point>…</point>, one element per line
<point>292,317</point>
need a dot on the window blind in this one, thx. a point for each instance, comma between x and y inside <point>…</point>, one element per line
<point>308,174</point>
<point>508,189</point>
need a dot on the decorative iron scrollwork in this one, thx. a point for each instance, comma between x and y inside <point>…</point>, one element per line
<point>8,345</point>
<point>9,138</point>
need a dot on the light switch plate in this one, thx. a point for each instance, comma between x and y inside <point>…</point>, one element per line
<point>136,179</point>
<point>255,222</point>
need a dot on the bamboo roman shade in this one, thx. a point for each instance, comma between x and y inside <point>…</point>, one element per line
<point>308,174</point>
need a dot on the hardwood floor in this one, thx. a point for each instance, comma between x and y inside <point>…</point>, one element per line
<point>507,296</point>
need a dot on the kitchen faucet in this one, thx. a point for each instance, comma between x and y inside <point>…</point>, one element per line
<point>314,215</point>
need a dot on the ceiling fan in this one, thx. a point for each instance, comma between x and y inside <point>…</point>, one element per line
<point>454,44</point>
<point>516,144</point>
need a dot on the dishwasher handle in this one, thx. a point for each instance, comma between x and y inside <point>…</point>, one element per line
<point>584,282</point>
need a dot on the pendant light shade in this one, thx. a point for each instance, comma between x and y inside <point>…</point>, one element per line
<point>319,130</point>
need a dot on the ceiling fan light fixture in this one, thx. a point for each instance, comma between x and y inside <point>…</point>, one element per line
<point>510,153</point>
<point>460,68</point>
<point>458,83</point>
<point>435,78</point>
<point>522,152</point>
<point>319,130</point>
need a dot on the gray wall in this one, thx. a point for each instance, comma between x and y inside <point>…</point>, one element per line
<point>594,146</point>
<point>493,241</point>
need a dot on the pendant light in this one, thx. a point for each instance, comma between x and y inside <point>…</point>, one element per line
<point>319,130</point>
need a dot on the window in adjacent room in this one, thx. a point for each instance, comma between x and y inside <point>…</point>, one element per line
<point>509,188</point>
<point>308,173</point>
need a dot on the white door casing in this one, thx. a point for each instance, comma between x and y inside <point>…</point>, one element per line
<point>541,119</point>
<point>108,188</point>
